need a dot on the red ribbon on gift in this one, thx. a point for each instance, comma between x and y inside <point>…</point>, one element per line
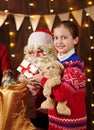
<point>23,69</point>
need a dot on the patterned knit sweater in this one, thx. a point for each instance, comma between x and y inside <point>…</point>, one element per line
<point>72,89</point>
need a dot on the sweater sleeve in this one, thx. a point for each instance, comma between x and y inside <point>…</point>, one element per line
<point>73,82</point>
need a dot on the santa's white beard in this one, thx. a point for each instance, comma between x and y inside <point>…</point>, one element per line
<point>50,54</point>
<point>39,62</point>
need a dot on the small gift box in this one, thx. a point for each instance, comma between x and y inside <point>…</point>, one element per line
<point>27,69</point>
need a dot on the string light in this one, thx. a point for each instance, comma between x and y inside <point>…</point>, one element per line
<point>29,27</point>
<point>6,23</point>
<point>71,19</point>
<point>47,21</point>
<point>6,11</point>
<point>91,37</point>
<point>11,33</point>
<point>12,44</point>
<point>88,80</point>
<point>31,4</point>
<point>86,25</point>
<point>71,8</point>
<point>92,105</point>
<point>51,10</point>
<point>50,6</point>
<point>87,14</point>
<point>89,58</point>
<point>88,70</point>
<point>90,2</point>
<point>92,47</point>
<point>13,55</point>
<point>92,122</point>
<point>31,16</point>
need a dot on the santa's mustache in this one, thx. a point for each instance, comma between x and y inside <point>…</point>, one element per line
<point>38,61</point>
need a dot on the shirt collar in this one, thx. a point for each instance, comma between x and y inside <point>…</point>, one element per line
<point>65,56</point>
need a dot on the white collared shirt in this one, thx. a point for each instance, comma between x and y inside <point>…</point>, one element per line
<point>65,56</point>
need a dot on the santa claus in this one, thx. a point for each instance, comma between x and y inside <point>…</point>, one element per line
<point>38,52</point>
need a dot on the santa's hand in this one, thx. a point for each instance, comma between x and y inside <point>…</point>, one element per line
<point>34,89</point>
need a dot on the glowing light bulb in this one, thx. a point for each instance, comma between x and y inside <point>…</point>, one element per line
<point>12,44</point>
<point>13,55</point>
<point>88,80</point>
<point>11,33</point>
<point>89,58</point>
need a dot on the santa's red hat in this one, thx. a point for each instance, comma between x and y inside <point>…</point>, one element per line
<point>40,37</point>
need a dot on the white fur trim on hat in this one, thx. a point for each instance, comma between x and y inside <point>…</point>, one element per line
<point>40,37</point>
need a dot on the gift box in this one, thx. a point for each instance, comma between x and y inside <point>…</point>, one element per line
<point>27,69</point>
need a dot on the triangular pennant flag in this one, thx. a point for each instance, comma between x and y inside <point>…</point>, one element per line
<point>64,16</point>
<point>90,10</point>
<point>49,20</point>
<point>78,16</point>
<point>3,17</point>
<point>34,19</point>
<point>18,20</point>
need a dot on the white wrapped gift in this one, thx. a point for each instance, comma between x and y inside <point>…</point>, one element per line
<point>27,69</point>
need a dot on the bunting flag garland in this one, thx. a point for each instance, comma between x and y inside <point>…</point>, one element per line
<point>78,16</point>
<point>90,10</point>
<point>18,20</point>
<point>64,16</point>
<point>3,17</point>
<point>49,20</point>
<point>34,21</point>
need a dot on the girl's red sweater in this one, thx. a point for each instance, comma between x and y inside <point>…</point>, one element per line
<point>72,89</point>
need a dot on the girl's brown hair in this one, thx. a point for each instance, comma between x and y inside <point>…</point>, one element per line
<point>71,26</point>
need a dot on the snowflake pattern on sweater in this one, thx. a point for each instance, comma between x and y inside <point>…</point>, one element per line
<point>72,89</point>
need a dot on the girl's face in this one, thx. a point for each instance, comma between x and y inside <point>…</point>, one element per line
<point>63,40</point>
